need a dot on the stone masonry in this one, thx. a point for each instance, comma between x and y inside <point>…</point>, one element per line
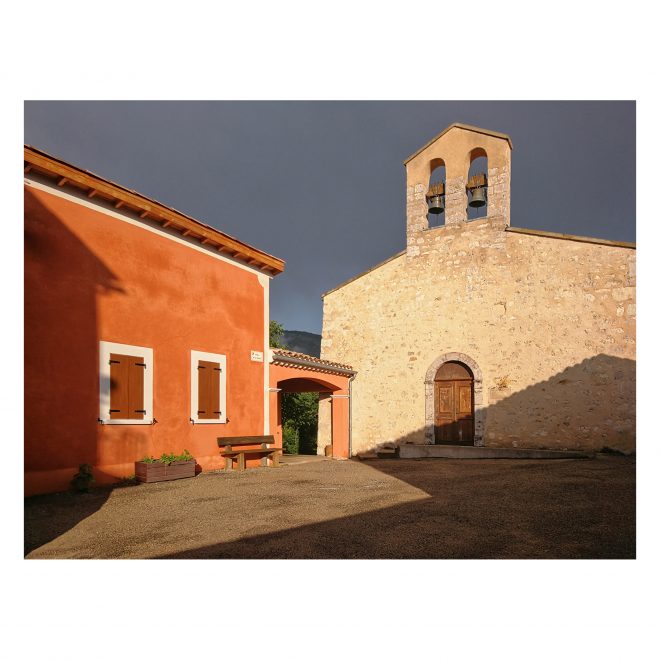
<point>545,322</point>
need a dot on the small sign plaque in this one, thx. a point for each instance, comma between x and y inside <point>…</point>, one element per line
<point>257,356</point>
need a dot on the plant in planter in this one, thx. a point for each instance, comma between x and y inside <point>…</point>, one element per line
<point>165,468</point>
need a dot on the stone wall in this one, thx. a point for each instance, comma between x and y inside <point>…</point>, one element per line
<point>324,435</point>
<point>549,323</point>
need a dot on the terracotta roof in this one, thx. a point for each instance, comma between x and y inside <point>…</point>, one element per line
<point>96,186</point>
<point>467,127</point>
<point>310,359</point>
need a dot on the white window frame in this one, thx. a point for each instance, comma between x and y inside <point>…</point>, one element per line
<point>195,357</point>
<point>105,349</point>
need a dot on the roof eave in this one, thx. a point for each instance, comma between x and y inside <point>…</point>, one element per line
<point>572,237</point>
<point>258,259</point>
<point>467,127</point>
<point>363,273</point>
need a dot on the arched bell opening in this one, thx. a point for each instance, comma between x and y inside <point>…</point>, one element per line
<point>477,184</point>
<point>435,196</point>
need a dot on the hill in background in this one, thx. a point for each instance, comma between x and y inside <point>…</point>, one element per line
<point>302,342</point>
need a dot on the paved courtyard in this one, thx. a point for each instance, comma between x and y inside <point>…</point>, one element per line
<point>353,509</point>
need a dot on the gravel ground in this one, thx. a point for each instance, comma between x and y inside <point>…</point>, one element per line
<point>353,509</point>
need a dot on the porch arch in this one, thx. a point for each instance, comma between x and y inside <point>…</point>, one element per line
<point>479,408</point>
<point>296,372</point>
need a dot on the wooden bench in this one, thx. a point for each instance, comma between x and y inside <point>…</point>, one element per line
<point>230,452</point>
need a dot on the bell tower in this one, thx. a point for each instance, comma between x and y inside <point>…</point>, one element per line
<point>456,148</point>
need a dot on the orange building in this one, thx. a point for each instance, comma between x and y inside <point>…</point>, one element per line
<point>121,289</point>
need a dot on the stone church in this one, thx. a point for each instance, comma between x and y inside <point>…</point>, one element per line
<point>480,333</point>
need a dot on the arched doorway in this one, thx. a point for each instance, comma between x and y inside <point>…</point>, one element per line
<point>291,372</point>
<point>478,408</point>
<point>453,398</point>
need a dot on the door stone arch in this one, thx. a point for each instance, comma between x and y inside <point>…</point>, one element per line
<point>479,408</point>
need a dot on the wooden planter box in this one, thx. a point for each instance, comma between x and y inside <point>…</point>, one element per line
<point>150,472</point>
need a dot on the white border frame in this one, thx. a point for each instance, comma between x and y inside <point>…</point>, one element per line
<point>265,283</point>
<point>107,347</point>
<point>195,356</point>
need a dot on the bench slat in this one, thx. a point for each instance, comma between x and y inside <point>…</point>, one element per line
<point>246,440</point>
<point>234,452</point>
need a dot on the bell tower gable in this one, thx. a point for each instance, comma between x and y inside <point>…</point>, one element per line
<point>457,148</point>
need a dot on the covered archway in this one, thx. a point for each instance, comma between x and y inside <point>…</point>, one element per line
<point>296,372</point>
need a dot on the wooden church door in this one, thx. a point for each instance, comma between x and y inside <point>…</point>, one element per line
<point>454,405</point>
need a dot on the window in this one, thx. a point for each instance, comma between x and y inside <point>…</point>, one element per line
<point>126,384</point>
<point>208,382</point>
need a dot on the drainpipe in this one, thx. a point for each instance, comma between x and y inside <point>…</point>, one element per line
<point>350,414</point>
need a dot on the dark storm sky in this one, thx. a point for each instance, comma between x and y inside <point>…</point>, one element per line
<point>322,184</point>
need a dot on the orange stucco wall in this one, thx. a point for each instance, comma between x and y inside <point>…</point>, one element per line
<point>91,277</point>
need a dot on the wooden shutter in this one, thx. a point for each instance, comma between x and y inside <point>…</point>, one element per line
<point>127,386</point>
<point>118,386</point>
<point>208,390</point>
<point>136,369</point>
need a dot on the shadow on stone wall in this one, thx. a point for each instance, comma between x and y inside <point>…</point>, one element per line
<point>588,406</point>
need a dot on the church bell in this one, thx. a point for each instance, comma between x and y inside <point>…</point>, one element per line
<point>436,204</point>
<point>477,185</point>
<point>478,197</point>
<point>435,198</point>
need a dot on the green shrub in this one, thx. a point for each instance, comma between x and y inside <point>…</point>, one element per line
<point>300,413</point>
<point>290,438</point>
<point>84,478</point>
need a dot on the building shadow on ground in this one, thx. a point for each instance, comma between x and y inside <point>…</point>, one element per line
<point>47,517</point>
<point>497,509</point>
